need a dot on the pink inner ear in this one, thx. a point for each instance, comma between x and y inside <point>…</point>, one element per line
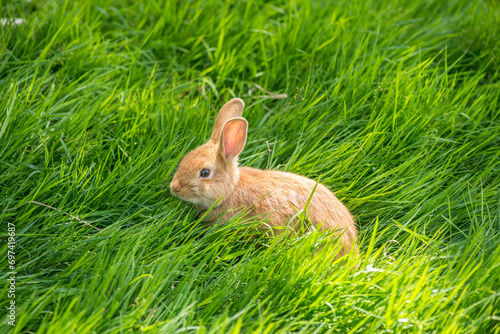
<point>228,146</point>
<point>234,138</point>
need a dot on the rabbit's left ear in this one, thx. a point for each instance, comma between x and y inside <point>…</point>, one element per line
<point>233,138</point>
<point>233,108</point>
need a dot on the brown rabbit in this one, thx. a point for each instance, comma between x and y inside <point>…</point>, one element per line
<point>211,171</point>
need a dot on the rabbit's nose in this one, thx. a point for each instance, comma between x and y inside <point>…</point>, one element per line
<point>175,187</point>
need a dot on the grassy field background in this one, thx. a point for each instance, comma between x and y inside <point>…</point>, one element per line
<point>393,105</point>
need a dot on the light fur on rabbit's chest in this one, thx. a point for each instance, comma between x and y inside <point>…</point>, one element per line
<point>276,196</point>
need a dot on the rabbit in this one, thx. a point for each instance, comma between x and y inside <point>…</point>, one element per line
<point>211,172</point>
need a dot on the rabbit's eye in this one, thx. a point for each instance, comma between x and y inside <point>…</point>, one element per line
<point>204,173</point>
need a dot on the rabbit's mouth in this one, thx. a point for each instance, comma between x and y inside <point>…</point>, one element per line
<point>195,199</point>
<point>190,193</point>
<point>181,191</point>
<point>181,195</point>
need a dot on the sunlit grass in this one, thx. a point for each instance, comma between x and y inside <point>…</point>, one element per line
<point>393,106</point>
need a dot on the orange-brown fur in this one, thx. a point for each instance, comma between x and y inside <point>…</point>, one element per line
<point>271,195</point>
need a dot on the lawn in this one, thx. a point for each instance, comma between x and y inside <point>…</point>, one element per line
<point>394,105</point>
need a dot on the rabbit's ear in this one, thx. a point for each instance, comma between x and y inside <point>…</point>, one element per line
<point>233,138</point>
<point>231,109</point>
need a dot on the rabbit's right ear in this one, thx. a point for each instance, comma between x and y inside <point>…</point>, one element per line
<point>233,138</point>
<point>231,109</point>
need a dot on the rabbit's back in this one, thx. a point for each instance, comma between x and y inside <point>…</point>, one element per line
<point>276,196</point>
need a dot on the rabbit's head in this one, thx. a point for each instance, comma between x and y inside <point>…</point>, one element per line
<point>211,171</point>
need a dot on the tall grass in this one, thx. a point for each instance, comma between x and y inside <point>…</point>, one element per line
<point>393,105</point>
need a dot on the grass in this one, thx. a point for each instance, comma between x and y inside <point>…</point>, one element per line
<point>394,106</point>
